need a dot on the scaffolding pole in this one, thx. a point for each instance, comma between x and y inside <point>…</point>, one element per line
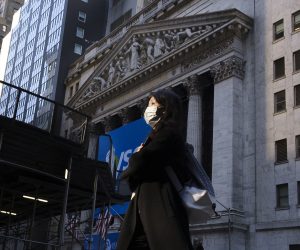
<point>65,203</point>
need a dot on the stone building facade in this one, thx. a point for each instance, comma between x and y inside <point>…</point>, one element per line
<point>224,58</point>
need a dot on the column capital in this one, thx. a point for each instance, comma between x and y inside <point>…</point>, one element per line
<point>232,66</point>
<point>124,115</point>
<point>107,123</point>
<point>141,104</point>
<point>192,85</point>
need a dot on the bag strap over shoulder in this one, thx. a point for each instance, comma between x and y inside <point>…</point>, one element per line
<point>173,178</point>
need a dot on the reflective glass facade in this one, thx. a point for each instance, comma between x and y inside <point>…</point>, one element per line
<point>32,60</point>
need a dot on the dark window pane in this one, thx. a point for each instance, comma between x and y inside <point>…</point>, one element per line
<point>297,142</point>
<point>294,247</point>
<point>279,101</point>
<point>278,30</point>
<point>281,151</point>
<point>296,21</point>
<point>297,95</point>
<point>279,68</point>
<point>297,60</point>
<point>282,191</point>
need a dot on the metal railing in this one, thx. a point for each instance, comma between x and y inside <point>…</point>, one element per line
<point>41,112</point>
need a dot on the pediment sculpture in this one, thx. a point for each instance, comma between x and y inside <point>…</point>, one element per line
<point>139,52</point>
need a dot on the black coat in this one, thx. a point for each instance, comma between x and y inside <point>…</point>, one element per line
<point>158,204</point>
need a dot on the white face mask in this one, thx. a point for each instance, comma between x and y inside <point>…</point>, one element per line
<point>150,115</point>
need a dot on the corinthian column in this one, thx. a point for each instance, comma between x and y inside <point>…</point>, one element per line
<point>194,120</point>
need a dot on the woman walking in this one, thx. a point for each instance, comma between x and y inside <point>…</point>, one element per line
<point>156,218</point>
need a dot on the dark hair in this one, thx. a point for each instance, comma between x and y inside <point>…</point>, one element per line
<point>171,111</point>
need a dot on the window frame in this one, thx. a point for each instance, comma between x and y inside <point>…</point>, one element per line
<point>277,160</point>
<point>295,96</point>
<point>77,45</point>
<point>293,21</point>
<point>297,146</point>
<point>294,61</point>
<point>279,197</point>
<point>281,21</point>
<point>80,17</point>
<point>274,69</point>
<point>276,103</point>
<point>78,30</point>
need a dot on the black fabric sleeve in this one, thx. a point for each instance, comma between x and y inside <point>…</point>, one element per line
<point>149,161</point>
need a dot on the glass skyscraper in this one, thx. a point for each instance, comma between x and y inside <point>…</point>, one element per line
<point>50,34</point>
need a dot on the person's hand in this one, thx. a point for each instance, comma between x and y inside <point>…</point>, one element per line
<point>140,147</point>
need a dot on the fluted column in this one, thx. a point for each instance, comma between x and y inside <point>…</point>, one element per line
<point>194,120</point>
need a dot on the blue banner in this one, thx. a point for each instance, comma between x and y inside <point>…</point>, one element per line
<point>125,141</point>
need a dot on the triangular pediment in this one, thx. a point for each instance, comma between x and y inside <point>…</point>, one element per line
<point>145,45</point>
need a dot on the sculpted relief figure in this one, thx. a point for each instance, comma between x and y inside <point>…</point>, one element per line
<point>134,51</point>
<point>149,47</point>
<point>111,75</point>
<point>170,40</point>
<point>182,36</point>
<point>100,82</point>
<point>159,47</point>
<point>120,69</point>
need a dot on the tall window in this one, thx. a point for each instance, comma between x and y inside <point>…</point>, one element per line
<point>78,49</point>
<point>281,151</point>
<point>279,101</point>
<point>296,60</point>
<point>282,192</point>
<point>82,16</point>
<point>296,21</point>
<point>297,95</point>
<point>278,30</point>
<point>297,144</point>
<point>79,32</point>
<point>76,86</point>
<point>279,70</point>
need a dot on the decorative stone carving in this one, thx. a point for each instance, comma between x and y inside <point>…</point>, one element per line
<point>111,74</point>
<point>95,87</point>
<point>107,123</point>
<point>159,47</point>
<point>150,47</point>
<point>183,36</point>
<point>192,85</point>
<point>141,104</point>
<point>124,114</point>
<point>233,66</point>
<point>134,54</point>
<point>141,52</point>
<point>207,54</point>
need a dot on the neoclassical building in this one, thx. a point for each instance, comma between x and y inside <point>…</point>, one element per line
<point>221,57</point>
